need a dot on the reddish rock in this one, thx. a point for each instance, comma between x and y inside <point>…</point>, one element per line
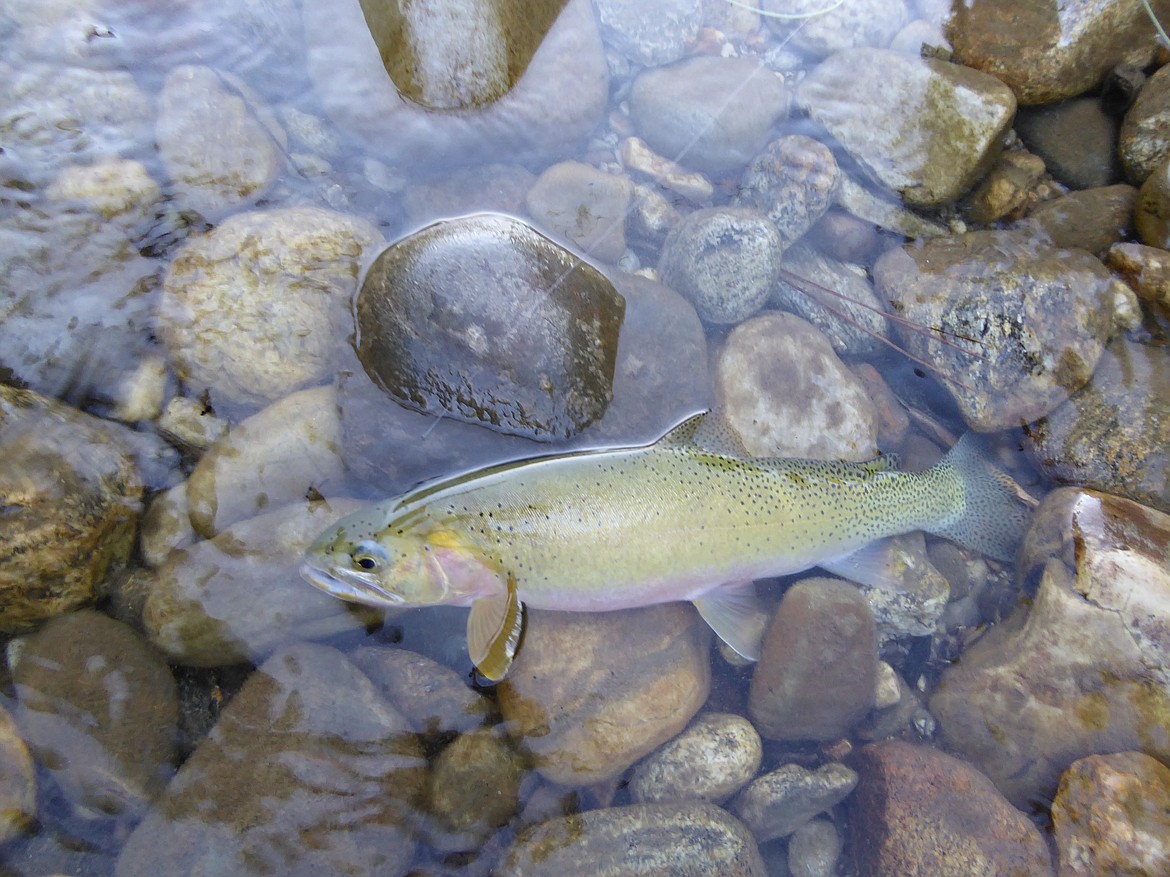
<point>918,812</point>
<point>1111,817</point>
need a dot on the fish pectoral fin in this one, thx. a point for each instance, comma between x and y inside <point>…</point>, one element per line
<point>874,564</point>
<point>737,617</point>
<point>494,628</point>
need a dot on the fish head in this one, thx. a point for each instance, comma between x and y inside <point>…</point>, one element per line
<point>373,559</point>
<point>359,561</point>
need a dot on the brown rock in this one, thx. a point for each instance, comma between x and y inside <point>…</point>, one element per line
<point>918,812</point>
<point>583,205</point>
<point>18,782</point>
<point>1111,817</point>
<point>71,496</point>
<point>818,669</point>
<point>474,789</point>
<point>644,840</point>
<point>1085,668</point>
<point>591,693</point>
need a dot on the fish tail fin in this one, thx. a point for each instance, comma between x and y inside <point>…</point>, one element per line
<point>994,513</point>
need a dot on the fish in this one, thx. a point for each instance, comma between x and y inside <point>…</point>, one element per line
<point>689,517</point>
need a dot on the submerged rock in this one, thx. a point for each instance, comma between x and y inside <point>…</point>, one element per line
<point>519,91</point>
<point>925,129</point>
<point>308,772</point>
<point>817,672</point>
<point>18,782</point>
<point>1111,815</point>
<point>709,761</point>
<point>818,410</point>
<point>259,306</point>
<point>1011,353</point>
<point>781,801</point>
<point>72,498</point>
<point>823,29</point>
<point>643,840</point>
<point>794,181</point>
<point>488,321</point>
<point>592,692</point>
<point>584,205</point>
<point>100,710</point>
<point>919,811</point>
<point>204,607</point>
<point>723,260</point>
<point>1114,434</point>
<point>708,113</point>
<point>1086,667</point>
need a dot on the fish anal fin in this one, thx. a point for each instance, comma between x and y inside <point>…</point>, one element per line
<point>736,615</point>
<point>494,628</point>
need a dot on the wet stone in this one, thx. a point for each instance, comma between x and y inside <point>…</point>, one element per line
<point>849,314</point>
<point>814,848</point>
<point>650,33</point>
<point>220,146</point>
<point>18,782</point>
<point>1145,269</point>
<point>793,181</point>
<point>590,693</point>
<point>474,789</point>
<point>926,130</point>
<point>1077,140</point>
<point>1047,53</point>
<point>526,345</point>
<point>271,459</point>
<point>786,393</point>
<point>259,306</point>
<point>1144,142</point>
<point>1006,188</point>
<point>435,699</point>
<point>484,188</point>
<point>823,30</point>
<point>919,811</point>
<point>100,711</point>
<point>203,609</point>
<point>1111,815</point>
<point>583,205</point>
<point>671,108</point>
<point>683,840</point>
<point>1113,434</point>
<point>536,103</point>
<point>1085,667</point>
<point>308,771</point>
<point>711,760</point>
<point>723,260</point>
<point>780,802</point>
<point>817,672</point>
<point>1092,219</point>
<point>1152,215</point>
<point>1013,356</point>
<point>638,157</point>
<point>73,497</point>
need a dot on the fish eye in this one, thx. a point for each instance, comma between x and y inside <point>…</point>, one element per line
<point>369,555</point>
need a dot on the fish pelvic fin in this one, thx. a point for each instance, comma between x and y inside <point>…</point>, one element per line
<point>736,615</point>
<point>994,513</point>
<point>494,630</point>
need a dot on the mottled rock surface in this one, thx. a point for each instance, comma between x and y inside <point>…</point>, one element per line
<point>1085,667</point>
<point>308,771</point>
<point>710,761</point>
<point>591,693</point>
<point>18,781</point>
<point>919,811</point>
<point>642,840</point>
<point>73,498</point>
<point>99,709</point>
<point>781,801</point>
<point>818,667</point>
<point>259,306</point>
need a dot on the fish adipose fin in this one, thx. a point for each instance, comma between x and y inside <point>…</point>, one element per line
<point>993,516</point>
<point>494,628</point>
<point>737,617</point>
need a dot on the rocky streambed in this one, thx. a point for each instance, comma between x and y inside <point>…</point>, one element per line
<point>251,276</point>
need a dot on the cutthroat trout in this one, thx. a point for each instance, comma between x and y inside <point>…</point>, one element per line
<point>683,518</point>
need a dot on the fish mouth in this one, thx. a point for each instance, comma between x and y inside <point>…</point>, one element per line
<point>346,584</point>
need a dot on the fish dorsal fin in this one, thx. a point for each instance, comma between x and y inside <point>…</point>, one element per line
<point>737,617</point>
<point>493,632</point>
<point>683,433</point>
<point>708,430</point>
